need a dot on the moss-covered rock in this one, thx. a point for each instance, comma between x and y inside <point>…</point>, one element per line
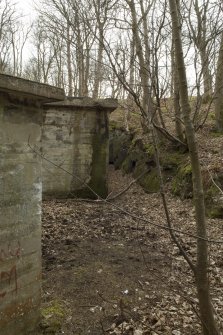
<point>214,197</point>
<point>138,159</point>
<point>216,133</point>
<point>133,155</point>
<point>147,174</point>
<point>150,182</point>
<point>215,212</point>
<point>53,316</point>
<point>119,145</point>
<point>128,165</point>
<point>182,182</point>
<point>149,149</point>
<point>183,187</point>
<point>171,160</point>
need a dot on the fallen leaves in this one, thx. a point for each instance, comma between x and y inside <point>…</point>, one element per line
<point>89,247</point>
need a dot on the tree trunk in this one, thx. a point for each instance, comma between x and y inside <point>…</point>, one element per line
<point>176,101</point>
<point>98,72</point>
<point>139,52</point>
<point>219,90</point>
<point>201,273</point>
<point>175,94</point>
<point>69,66</point>
<point>79,54</point>
<point>201,43</point>
<point>177,108</point>
<point>86,72</point>
<point>207,78</point>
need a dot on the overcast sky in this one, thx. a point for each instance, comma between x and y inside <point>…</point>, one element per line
<point>27,7</point>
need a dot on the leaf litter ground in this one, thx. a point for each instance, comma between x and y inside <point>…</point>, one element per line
<point>116,274</point>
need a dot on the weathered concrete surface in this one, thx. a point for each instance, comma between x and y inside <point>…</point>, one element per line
<point>30,89</point>
<point>75,144</point>
<point>20,204</point>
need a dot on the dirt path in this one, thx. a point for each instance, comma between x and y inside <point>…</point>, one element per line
<point>118,275</point>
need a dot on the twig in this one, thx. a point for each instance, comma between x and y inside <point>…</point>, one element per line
<point>102,328</point>
<point>166,210</point>
<point>215,184</point>
<point>169,136</point>
<point>128,187</point>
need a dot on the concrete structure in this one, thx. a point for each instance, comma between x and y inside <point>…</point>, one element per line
<point>72,134</point>
<point>20,202</point>
<point>75,138</point>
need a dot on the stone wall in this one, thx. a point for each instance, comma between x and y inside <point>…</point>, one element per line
<point>75,146</point>
<point>20,202</point>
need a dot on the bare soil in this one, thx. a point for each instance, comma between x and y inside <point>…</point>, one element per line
<point>114,268</point>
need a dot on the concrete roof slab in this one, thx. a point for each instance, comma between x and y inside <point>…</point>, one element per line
<point>108,104</point>
<point>30,89</point>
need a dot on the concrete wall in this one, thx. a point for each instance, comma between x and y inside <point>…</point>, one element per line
<point>75,145</point>
<point>75,136</point>
<point>20,203</point>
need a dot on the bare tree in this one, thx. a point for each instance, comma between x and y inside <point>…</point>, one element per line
<point>143,62</point>
<point>219,89</point>
<point>18,39</point>
<point>203,27</point>
<point>7,19</point>
<point>201,269</point>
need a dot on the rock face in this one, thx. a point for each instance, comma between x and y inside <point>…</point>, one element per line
<point>20,202</point>
<point>133,155</point>
<point>75,142</point>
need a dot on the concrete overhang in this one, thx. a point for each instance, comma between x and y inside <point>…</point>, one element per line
<point>26,89</point>
<point>86,103</point>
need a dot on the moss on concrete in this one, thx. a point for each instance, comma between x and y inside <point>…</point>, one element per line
<point>53,316</point>
<point>98,181</point>
<point>113,125</point>
<point>99,165</point>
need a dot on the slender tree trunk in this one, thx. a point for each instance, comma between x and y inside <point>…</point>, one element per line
<point>69,66</point>
<point>175,91</point>
<point>98,72</point>
<point>201,43</point>
<point>177,108</point>
<point>145,35</point>
<point>132,62</point>
<point>79,68</point>
<point>201,273</point>
<point>14,53</point>
<point>176,100</point>
<point>139,52</point>
<point>207,78</point>
<point>86,72</point>
<point>219,90</point>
